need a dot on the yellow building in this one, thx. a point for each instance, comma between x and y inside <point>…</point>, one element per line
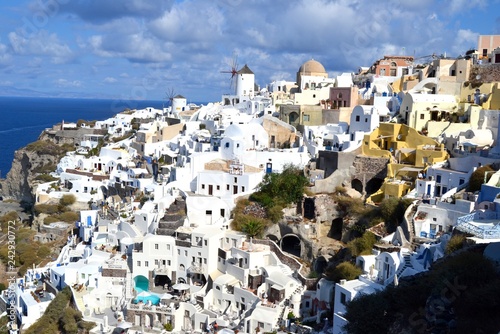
<point>409,153</point>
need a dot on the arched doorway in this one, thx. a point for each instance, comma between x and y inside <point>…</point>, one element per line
<point>291,243</point>
<point>357,185</point>
<point>293,118</point>
<point>373,185</point>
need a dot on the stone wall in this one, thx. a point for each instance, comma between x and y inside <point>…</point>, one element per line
<point>484,73</point>
<point>111,272</point>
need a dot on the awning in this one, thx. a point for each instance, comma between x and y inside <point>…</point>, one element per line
<point>410,169</point>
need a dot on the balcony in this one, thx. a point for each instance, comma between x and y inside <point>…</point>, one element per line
<point>197,268</point>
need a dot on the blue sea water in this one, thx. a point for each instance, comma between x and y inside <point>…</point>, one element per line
<point>22,119</point>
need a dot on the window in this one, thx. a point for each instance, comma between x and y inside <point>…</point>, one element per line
<point>227,145</point>
<point>205,259</point>
<point>156,246</point>
<point>218,187</point>
<point>146,263</point>
<point>208,212</point>
<point>169,262</point>
<point>235,180</point>
<point>138,263</point>
<point>227,186</point>
<point>422,116</point>
<point>461,181</point>
<point>168,247</point>
<point>305,118</point>
<point>357,118</point>
<point>438,178</point>
<point>366,120</point>
<point>343,298</point>
<point>307,304</point>
<point>178,252</point>
<point>242,188</point>
<point>185,253</point>
<point>156,262</point>
<point>206,242</point>
<point>202,186</point>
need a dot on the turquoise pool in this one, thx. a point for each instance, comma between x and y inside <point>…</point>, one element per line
<point>154,299</point>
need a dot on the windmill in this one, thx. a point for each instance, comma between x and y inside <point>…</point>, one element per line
<point>233,71</point>
<point>170,94</point>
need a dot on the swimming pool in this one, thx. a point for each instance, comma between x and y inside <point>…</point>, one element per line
<point>154,299</point>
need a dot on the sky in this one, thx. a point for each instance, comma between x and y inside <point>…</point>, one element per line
<point>136,49</point>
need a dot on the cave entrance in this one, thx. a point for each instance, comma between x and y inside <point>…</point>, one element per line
<point>290,243</point>
<point>336,229</point>
<point>357,185</point>
<point>320,265</point>
<point>309,208</point>
<point>373,185</point>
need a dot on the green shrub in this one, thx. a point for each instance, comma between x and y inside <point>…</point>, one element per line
<point>478,178</point>
<point>69,216</point>
<point>49,209</point>
<point>362,245</point>
<point>456,242</point>
<point>45,178</point>
<point>345,270</point>
<point>67,199</point>
<point>168,327</point>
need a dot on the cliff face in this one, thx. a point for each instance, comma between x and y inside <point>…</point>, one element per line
<point>40,157</point>
<point>20,181</point>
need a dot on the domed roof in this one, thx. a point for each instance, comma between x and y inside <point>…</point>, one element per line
<point>312,66</point>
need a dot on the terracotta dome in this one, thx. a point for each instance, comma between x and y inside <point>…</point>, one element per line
<point>312,67</point>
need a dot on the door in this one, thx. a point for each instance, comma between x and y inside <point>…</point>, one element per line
<point>210,189</point>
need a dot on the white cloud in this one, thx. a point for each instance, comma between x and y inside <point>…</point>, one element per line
<point>109,80</point>
<point>64,83</point>
<point>41,43</point>
<point>465,40</point>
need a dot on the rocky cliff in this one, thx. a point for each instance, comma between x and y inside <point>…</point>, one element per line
<point>39,158</point>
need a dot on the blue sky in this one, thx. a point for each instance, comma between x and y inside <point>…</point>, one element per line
<point>135,49</point>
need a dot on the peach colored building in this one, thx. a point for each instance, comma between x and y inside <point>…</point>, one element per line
<point>392,66</point>
<point>486,44</point>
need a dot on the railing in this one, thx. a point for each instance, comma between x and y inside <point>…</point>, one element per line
<point>465,219</point>
<point>483,233</point>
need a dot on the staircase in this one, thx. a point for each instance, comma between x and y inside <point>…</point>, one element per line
<point>198,308</point>
<point>285,269</point>
<point>407,264</point>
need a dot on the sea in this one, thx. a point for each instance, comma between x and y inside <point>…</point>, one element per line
<point>22,119</point>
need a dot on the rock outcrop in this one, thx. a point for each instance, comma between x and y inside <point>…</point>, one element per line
<point>21,179</point>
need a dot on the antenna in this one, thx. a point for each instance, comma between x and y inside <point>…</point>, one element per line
<point>233,71</point>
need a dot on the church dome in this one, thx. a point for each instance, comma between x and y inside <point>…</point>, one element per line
<point>312,67</point>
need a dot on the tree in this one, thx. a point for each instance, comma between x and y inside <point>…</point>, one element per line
<point>284,188</point>
<point>392,211</point>
<point>253,227</point>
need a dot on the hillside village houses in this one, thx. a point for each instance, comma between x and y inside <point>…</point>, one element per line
<point>155,245</point>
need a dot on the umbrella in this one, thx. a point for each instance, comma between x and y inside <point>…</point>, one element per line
<point>180,286</point>
<point>144,294</point>
<point>124,325</point>
<point>166,296</point>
